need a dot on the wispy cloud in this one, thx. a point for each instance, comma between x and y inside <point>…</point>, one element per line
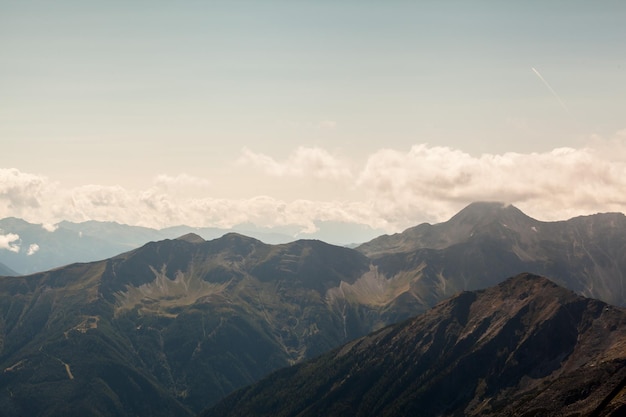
<point>314,162</point>
<point>181,180</point>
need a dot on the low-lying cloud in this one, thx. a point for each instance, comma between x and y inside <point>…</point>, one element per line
<point>32,249</point>
<point>10,242</point>
<point>391,190</point>
<point>49,227</point>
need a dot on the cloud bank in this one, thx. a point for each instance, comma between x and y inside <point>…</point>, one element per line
<point>21,191</point>
<point>437,181</point>
<point>391,190</point>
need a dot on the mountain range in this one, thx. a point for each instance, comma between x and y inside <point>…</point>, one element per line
<point>6,271</point>
<point>488,241</point>
<point>174,326</point>
<point>525,347</point>
<point>43,247</point>
<point>181,321</point>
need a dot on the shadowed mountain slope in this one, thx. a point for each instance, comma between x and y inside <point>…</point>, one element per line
<point>176,325</point>
<point>481,217</point>
<point>168,328</point>
<point>524,347</point>
<point>488,241</point>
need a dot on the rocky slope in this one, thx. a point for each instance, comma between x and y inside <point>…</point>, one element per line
<point>169,328</point>
<point>174,326</point>
<point>488,241</point>
<point>525,347</point>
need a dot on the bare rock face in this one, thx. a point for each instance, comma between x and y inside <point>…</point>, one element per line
<point>526,347</point>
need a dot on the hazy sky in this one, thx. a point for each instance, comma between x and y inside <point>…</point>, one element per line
<point>290,112</point>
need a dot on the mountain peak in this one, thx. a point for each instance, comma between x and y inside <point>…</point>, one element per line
<point>526,280</point>
<point>484,211</point>
<point>476,218</point>
<point>237,238</point>
<point>191,238</point>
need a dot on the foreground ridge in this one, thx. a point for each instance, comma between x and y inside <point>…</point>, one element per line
<point>523,347</point>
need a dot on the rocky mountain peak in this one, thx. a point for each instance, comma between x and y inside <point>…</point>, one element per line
<point>482,213</point>
<point>481,218</point>
<point>191,238</point>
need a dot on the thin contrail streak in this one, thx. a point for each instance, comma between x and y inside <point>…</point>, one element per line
<point>550,88</point>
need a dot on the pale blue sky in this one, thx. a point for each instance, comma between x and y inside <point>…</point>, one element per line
<point>116,93</point>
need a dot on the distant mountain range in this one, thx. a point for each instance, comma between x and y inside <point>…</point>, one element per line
<point>6,271</point>
<point>43,248</point>
<point>174,326</point>
<point>523,348</point>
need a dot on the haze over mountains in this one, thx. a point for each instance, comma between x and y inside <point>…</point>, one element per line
<point>37,247</point>
<point>6,271</point>
<point>174,326</point>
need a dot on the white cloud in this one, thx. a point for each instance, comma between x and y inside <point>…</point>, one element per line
<point>32,249</point>
<point>434,182</point>
<point>181,180</point>
<point>392,190</point>
<point>10,242</point>
<point>313,162</point>
<point>20,190</point>
<point>49,227</point>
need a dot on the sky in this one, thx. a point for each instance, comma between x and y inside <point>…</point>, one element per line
<point>290,113</point>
